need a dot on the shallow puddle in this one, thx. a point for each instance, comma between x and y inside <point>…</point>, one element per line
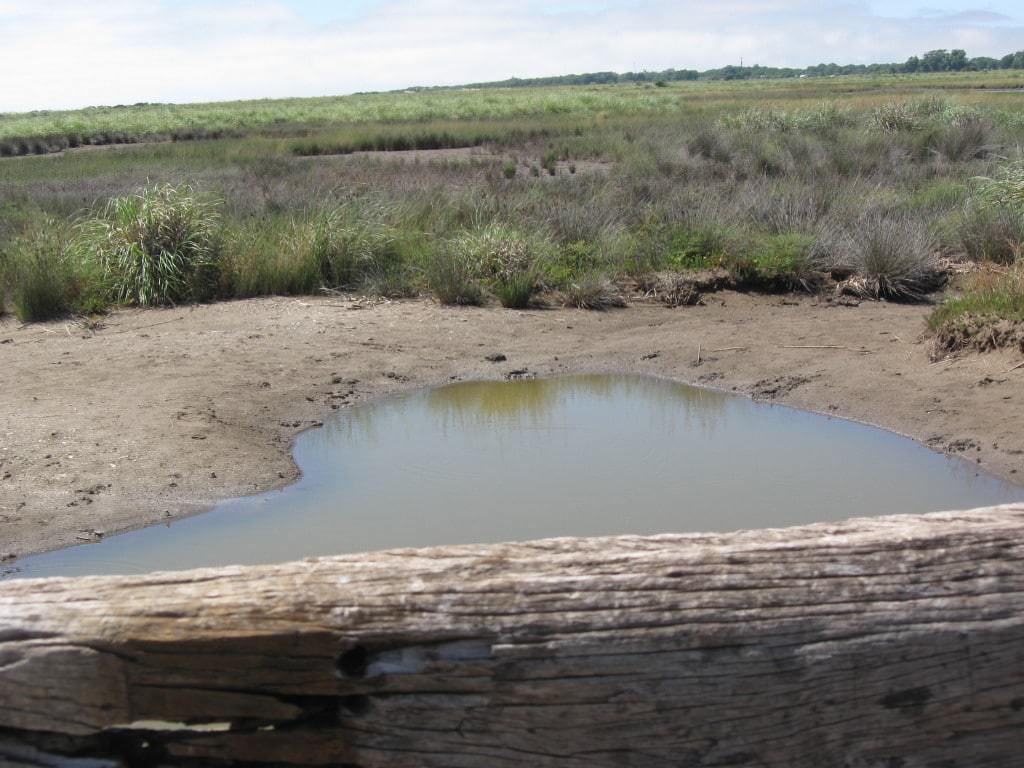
<point>573,456</point>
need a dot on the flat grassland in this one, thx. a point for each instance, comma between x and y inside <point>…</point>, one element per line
<point>875,225</point>
<point>137,122</point>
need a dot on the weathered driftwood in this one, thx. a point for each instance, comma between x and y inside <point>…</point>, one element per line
<point>889,642</point>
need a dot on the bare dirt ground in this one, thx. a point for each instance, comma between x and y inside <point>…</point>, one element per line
<point>161,413</point>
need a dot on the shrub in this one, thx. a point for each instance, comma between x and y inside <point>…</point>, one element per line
<point>509,170</point>
<point>159,246</point>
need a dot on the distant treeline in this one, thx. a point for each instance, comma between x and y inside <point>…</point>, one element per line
<point>940,60</point>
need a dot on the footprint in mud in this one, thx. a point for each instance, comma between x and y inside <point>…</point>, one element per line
<point>959,445</point>
<point>780,386</point>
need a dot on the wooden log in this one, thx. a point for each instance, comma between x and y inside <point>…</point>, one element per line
<point>877,643</point>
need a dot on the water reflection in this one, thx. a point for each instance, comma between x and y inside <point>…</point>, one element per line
<point>574,456</point>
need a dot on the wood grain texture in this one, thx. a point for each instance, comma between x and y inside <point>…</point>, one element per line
<point>877,643</point>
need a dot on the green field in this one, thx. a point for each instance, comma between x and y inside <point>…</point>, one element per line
<point>124,124</point>
<point>575,194</point>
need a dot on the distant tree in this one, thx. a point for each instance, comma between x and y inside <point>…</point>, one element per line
<point>939,60</point>
<point>983,63</point>
<point>935,61</point>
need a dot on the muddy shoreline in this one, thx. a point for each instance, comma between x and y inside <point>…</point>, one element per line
<point>162,413</point>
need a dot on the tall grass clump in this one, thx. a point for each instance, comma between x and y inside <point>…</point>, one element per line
<point>1006,188</point>
<point>273,255</point>
<point>506,259</point>
<point>963,140</point>
<point>36,272</point>
<point>157,247</point>
<point>996,294</point>
<point>892,254</point>
<point>774,261</point>
<point>450,277</point>
<point>361,253</point>
<point>990,233</point>
<point>987,314</point>
<point>345,248</point>
<point>991,227</point>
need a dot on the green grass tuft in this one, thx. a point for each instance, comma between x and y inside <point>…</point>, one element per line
<point>156,247</point>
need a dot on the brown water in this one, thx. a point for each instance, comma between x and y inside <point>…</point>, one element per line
<point>574,456</point>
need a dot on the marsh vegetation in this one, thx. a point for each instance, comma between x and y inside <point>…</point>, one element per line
<point>865,186</point>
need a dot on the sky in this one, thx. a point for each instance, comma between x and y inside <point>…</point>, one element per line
<point>57,54</point>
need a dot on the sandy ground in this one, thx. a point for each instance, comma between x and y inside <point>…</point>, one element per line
<point>161,413</point>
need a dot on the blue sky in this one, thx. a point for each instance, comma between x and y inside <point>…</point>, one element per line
<point>84,52</point>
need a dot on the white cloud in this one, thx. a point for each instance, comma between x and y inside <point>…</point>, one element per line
<point>67,53</point>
